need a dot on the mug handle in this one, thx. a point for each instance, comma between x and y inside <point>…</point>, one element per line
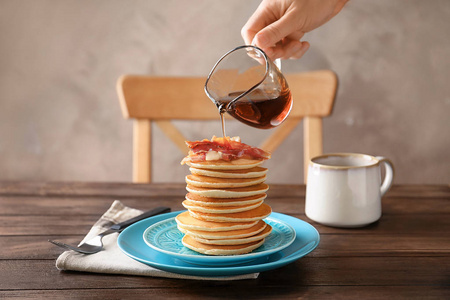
<point>389,176</point>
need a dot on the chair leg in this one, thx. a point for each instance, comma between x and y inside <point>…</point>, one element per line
<point>313,141</point>
<point>142,151</point>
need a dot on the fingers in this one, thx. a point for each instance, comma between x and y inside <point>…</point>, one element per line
<point>288,49</point>
<point>301,51</point>
<point>260,19</point>
<point>291,49</point>
<point>274,32</point>
<point>248,35</point>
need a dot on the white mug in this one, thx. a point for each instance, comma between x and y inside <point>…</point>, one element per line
<point>345,189</point>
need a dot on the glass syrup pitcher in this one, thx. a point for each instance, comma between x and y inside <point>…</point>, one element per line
<point>246,84</point>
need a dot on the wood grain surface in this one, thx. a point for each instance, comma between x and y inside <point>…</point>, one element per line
<point>405,255</point>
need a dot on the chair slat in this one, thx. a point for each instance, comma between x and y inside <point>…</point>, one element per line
<point>280,134</point>
<point>165,98</point>
<point>174,134</point>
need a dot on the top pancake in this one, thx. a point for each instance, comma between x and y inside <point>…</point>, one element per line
<point>226,165</point>
<point>240,173</point>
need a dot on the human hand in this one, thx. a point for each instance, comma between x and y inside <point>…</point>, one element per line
<point>278,25</point>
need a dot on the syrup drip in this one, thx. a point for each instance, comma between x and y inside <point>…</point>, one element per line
<point>222,110</point>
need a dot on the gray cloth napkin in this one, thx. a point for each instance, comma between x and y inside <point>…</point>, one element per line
<point>112,260</point>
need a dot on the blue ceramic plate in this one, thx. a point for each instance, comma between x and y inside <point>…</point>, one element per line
<point>165,237</point>
<point>130,241</point>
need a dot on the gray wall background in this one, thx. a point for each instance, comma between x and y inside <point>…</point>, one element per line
<point>59,62</point>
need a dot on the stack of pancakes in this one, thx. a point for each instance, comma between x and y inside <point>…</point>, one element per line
<point>225,207</point>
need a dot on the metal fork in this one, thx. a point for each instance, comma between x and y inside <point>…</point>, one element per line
<point>95,244</point>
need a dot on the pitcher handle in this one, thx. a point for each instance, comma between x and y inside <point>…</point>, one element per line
<point>389,176</point>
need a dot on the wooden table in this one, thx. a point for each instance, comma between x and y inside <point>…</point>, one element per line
<point>404,255</point>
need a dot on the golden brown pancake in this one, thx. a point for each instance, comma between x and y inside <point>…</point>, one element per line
<point>186,221</point>
<point>226,165</point>
<point>219,210</point>
<point>231,234</point>
<point>240,173</point>
<point>255,214</point>
<point>228,193</point>
<point>214,202</point>
<point>238,241</point>
<point>189,242</point>
<point>213,182</point>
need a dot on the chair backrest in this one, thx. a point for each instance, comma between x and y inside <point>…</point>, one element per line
<point>149,99</point>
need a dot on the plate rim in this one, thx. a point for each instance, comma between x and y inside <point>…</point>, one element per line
<point>219,271</point>
<point>221,258</point>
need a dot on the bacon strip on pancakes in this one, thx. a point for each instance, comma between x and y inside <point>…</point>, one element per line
<point>226,149</point>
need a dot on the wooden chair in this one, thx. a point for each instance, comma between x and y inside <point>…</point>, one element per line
<point>149,99</point>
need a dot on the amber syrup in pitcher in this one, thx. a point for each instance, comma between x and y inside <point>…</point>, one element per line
<point>258,108</point>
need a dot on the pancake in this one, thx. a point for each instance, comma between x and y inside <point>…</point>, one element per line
<point>190,243</point>
<point>186,221</point>
<point>217,202</point>
<point>238,241</point>
<point>212,182</point>
<point>255,214</point>
<point>240,173</point>
<point>220,210</point>
<point>231,234</point>
<point>228,193</point>
<point>226,165</point>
